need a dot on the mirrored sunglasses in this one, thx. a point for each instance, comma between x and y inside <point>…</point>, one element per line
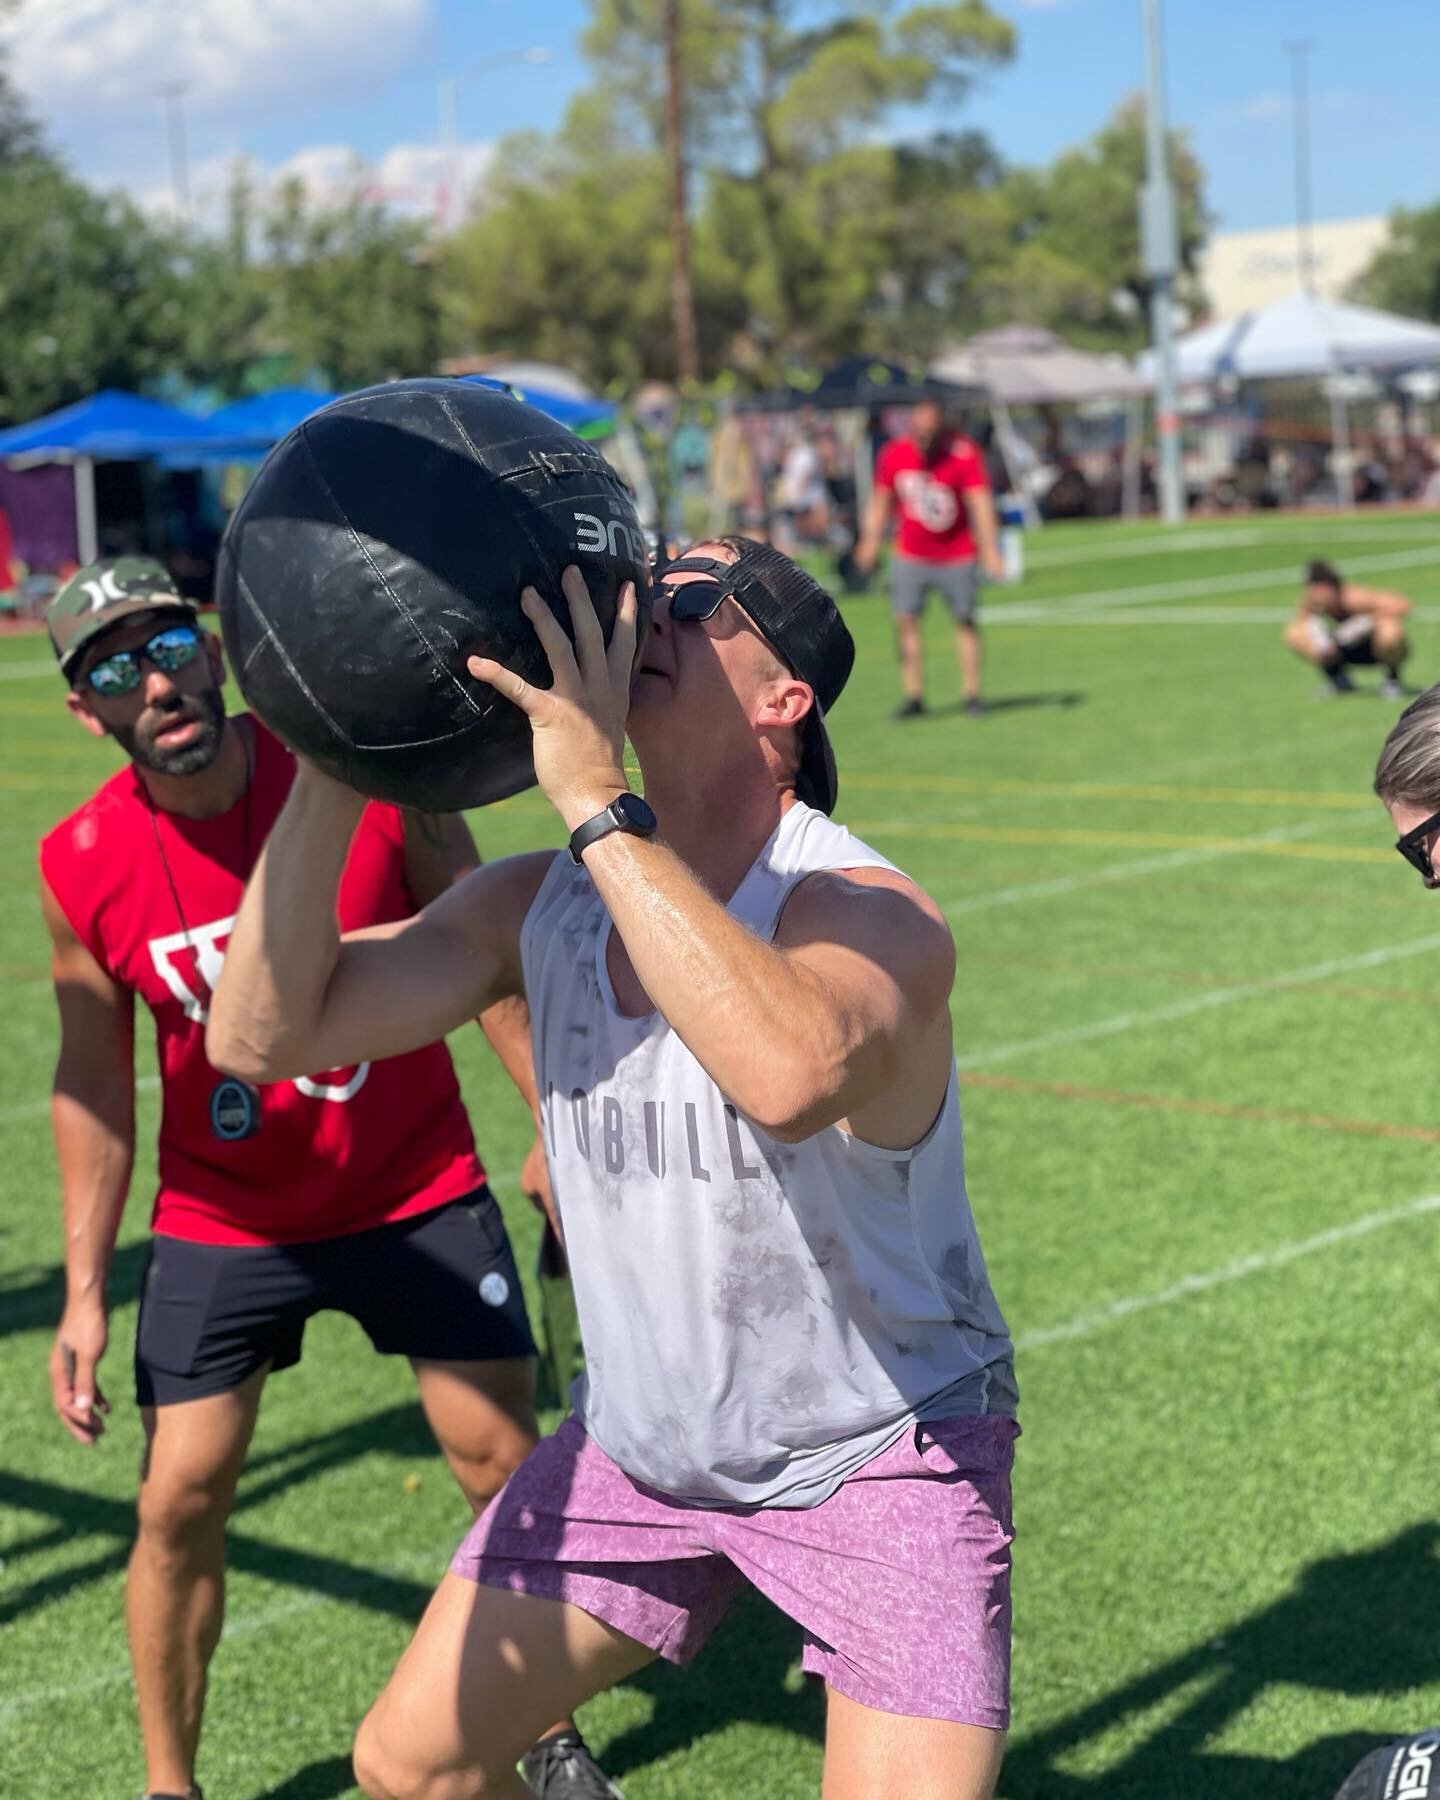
<point>174,648</point>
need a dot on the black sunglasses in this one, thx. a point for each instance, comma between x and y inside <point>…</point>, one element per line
<point>174,648</point>
<point>1414,848</point>
<point>692,602</point>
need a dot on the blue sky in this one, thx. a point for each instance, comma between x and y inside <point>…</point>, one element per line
<point>312,84</point>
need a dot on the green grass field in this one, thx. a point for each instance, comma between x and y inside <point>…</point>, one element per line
<point>1197,998</point>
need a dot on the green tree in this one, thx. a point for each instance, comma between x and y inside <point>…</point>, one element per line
<point>784,101</point>
<point>805,241</point>
<point>568,258</point>
<point>1404,275</point>
<point>1076,266</point>
<point>349,290</point>
<point>90,296</point>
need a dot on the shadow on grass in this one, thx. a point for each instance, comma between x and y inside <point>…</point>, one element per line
<point>35,1304</point>
<point>1358,1625</point>
<point>316,1781</point>
<point>740,1676</point>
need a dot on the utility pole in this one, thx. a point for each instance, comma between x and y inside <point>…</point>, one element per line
<point>1297,50</point>
<point>682,294</point>
<point>173,93</point>
<point>1160,254</point>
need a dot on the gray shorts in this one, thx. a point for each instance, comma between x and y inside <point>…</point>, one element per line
<point>957,583</point>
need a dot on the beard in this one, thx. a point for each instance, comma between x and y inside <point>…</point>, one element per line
<point>138,741</point>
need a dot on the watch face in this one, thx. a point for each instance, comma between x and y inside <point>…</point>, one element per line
<point>637,815</point>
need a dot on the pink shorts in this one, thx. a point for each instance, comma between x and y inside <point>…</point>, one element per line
<point>900,1580</point>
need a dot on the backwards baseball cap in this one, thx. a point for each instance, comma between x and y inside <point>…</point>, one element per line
<point>105,594</point>
<point>802,625</point>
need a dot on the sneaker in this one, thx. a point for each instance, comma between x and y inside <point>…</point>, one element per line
<point>974,708</point>
<point>912,709</point>
<point>1392,688</point>
<point>562,1768</point>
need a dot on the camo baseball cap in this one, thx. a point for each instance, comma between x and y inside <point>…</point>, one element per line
<point>105,594</point>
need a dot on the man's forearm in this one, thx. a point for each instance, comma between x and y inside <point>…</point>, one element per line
<point>506,1024</point>
<point>285,942</point>
<point>95,1147</point>
<point>980,504</point>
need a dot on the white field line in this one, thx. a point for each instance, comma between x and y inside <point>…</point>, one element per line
<point>1198,1003</point>
<point>1040,553</point>
<point>1145,865</point>
<point>1189,615</point>
<point>1202,586</point>
<point>30,670</point>
<point>1083,1324</point>
<point>241,1625</point>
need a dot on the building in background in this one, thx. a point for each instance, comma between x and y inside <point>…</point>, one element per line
<point>1241,270</point>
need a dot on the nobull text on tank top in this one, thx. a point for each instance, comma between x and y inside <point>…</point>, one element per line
<point>759,1318</point>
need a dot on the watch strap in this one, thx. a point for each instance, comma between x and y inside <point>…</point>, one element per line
<point>610,818</point>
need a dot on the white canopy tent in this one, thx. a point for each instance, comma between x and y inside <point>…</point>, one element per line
<point>1022,365</point>
<point>1025,365</point>
<point>1306,338</point>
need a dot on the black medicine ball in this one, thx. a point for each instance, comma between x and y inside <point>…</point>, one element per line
<point>386,540</point>
<point>1404,1771</point>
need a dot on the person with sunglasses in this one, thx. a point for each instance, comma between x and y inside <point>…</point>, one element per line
<point>1407,780</point>
<point>797,1374</point>
<point>353,1188</point>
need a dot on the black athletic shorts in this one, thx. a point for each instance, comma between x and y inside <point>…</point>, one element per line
<point>442,1286</point>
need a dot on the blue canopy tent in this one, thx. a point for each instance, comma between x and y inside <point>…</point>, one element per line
<point>111,426</point>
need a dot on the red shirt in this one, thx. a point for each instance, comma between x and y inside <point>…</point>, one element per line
<point>340,1151</point>
<point>933,523</point>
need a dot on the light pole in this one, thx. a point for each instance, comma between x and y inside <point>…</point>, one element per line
<point>447,95</point>
<point>173,94</point>
<point>1297,50</point>
<point>1159,250</point>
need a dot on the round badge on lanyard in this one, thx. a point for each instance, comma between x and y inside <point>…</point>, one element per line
<point>234,1111</point>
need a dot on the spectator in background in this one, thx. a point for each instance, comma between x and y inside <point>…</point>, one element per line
<point>801,498</point>
<point>934,480</point>
<point>1340,627</point>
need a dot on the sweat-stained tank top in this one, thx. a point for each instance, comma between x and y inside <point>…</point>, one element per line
<point>759,1318</point>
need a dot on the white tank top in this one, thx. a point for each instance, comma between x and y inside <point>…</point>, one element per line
<point>759,1319</point>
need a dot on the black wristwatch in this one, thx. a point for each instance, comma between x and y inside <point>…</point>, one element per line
<point>626,812</point>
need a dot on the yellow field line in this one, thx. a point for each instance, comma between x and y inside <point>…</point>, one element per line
<point>1104,790</point>
<point>1052,836</point>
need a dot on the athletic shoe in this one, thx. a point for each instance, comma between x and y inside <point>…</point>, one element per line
<point>912,709</point>
<point>974,709</point>
<point>562,1768</point>
<point>1392,689</point>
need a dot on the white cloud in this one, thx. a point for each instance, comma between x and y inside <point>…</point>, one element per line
<point>101,60</point>
<point>1335,106</point>
<point>413,179</point>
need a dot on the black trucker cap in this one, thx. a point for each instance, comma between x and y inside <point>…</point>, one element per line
<point>803,626</point>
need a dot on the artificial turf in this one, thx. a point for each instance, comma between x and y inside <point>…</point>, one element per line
<point>1196,1000</point>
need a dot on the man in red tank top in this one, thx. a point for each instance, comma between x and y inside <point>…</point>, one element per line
<point>935,482</point>
<point>354,1189</point>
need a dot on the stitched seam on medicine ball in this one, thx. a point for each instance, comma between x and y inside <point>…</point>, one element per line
<point>243,589</point>
<point>491,477</point>
<point>395,600</point>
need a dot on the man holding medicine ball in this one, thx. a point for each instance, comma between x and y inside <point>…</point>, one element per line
<point>354,1189</point>
<point>797,1372</point>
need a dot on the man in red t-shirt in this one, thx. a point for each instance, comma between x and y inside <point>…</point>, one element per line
<point>935,481</point>
<point>356,1190</point>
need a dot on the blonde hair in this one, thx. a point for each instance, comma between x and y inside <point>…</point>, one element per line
<point>1409,765</point>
